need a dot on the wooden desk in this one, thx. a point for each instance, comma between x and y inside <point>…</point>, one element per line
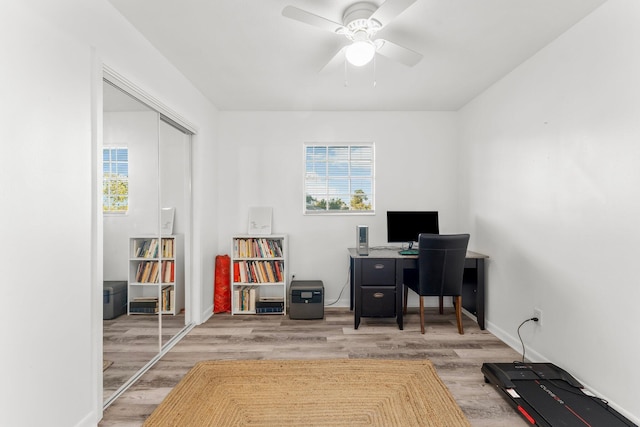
<point>377,280</point>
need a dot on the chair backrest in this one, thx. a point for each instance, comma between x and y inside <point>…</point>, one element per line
<point>441,263</point>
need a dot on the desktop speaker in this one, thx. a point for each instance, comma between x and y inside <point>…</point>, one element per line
<point>362,239</point>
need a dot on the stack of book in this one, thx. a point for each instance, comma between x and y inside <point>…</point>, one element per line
<point>144,305</point>
<point>270,305</point>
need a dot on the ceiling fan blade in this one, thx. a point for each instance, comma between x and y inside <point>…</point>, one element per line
<point>398,53</point>
<point>337,60</point>
<point>390,9</point>
<point>311,19</point>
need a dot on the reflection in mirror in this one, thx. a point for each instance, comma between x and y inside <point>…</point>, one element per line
<point>130,188</point>
<point>174,165</point>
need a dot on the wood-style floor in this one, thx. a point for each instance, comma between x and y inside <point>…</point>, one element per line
<point>129,342</point>
<point>457,358</point>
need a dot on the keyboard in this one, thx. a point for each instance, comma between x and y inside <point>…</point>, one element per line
<point>408,252</point>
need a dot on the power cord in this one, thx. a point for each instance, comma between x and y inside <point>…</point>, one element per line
<point>535,319</point>
<point>343,287</point>
<point>293,276</point>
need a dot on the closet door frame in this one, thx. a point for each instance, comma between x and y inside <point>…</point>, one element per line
<point>110,76</point>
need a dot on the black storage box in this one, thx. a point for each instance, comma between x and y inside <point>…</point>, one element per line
<point>114,299</point>
<point>306,299</point>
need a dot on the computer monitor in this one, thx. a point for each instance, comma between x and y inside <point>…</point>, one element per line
<point>406,226</point>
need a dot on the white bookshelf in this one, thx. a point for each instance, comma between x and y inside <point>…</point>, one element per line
<point>155,274</point>
<point>259,274</point>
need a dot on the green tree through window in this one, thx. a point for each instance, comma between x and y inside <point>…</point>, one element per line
<point>115,180</point>
<point>339,178</point>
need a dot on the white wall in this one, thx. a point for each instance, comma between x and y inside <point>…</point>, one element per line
<point>551,190</point>
<point>261,164</point>
<point>50,86</point>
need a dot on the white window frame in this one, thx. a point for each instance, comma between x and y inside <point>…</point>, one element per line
<point>326,193</point>
<point>110,178</point>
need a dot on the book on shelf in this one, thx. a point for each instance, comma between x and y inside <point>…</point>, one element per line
<point>258,271</point>
<point>153,277</point>
<point>279,275</point>
<point>167,248</point>
<point>269,310</point>
<point>252,299</point>
<point>143,305</point>
<point>270,305</point>
<point>244,299</point>
<point>153,249</point>
<point>257,247</point>
<point>146,272</point>
<point>253,276</point>
<point>167,271</point>
<point>139,270</point>
<point>147,248</point>
<point>236,272</point>
<point>168,298</point>
<point>271,299</point>
<point>152,271</point>
<point>242,270</point>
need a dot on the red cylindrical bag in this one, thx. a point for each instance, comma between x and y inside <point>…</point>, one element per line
<point>222,286</point>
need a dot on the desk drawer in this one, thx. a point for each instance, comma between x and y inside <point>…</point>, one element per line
<point>378,301</point>
<point>378,272</point>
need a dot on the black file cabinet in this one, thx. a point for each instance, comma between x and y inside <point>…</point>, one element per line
<point>376,287</point>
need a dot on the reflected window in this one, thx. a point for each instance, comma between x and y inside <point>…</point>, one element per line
<point>115,180</point>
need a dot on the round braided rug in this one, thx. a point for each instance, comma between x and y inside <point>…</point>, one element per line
<point>345,392</point>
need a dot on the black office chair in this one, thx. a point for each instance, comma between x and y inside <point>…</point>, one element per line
<point>440,270</point>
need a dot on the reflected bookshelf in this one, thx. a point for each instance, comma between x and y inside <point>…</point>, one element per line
<point>155,275</point>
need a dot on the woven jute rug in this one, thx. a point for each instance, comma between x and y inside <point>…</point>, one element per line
<point>351,392</point>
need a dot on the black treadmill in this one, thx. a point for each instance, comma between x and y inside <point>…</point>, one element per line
<point>546,395</point>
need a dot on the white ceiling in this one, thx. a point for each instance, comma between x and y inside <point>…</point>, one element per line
<point>244,55</point>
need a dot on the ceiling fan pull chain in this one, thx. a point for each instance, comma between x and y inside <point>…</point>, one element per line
<point>375,82</point>
<point>346,82</point>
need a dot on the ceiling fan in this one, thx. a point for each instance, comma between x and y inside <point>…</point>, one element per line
<point>360,23</point>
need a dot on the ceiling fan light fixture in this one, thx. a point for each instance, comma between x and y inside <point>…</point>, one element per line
<point>360,53</point>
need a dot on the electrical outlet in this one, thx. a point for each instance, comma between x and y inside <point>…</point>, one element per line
<point>538,313</point>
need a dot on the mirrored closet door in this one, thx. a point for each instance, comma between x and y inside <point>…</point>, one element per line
<point>173,159</point>
<point>146,235</point>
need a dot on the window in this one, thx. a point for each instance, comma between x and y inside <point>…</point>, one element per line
<point>339,178</point>
<point>115,180</point>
